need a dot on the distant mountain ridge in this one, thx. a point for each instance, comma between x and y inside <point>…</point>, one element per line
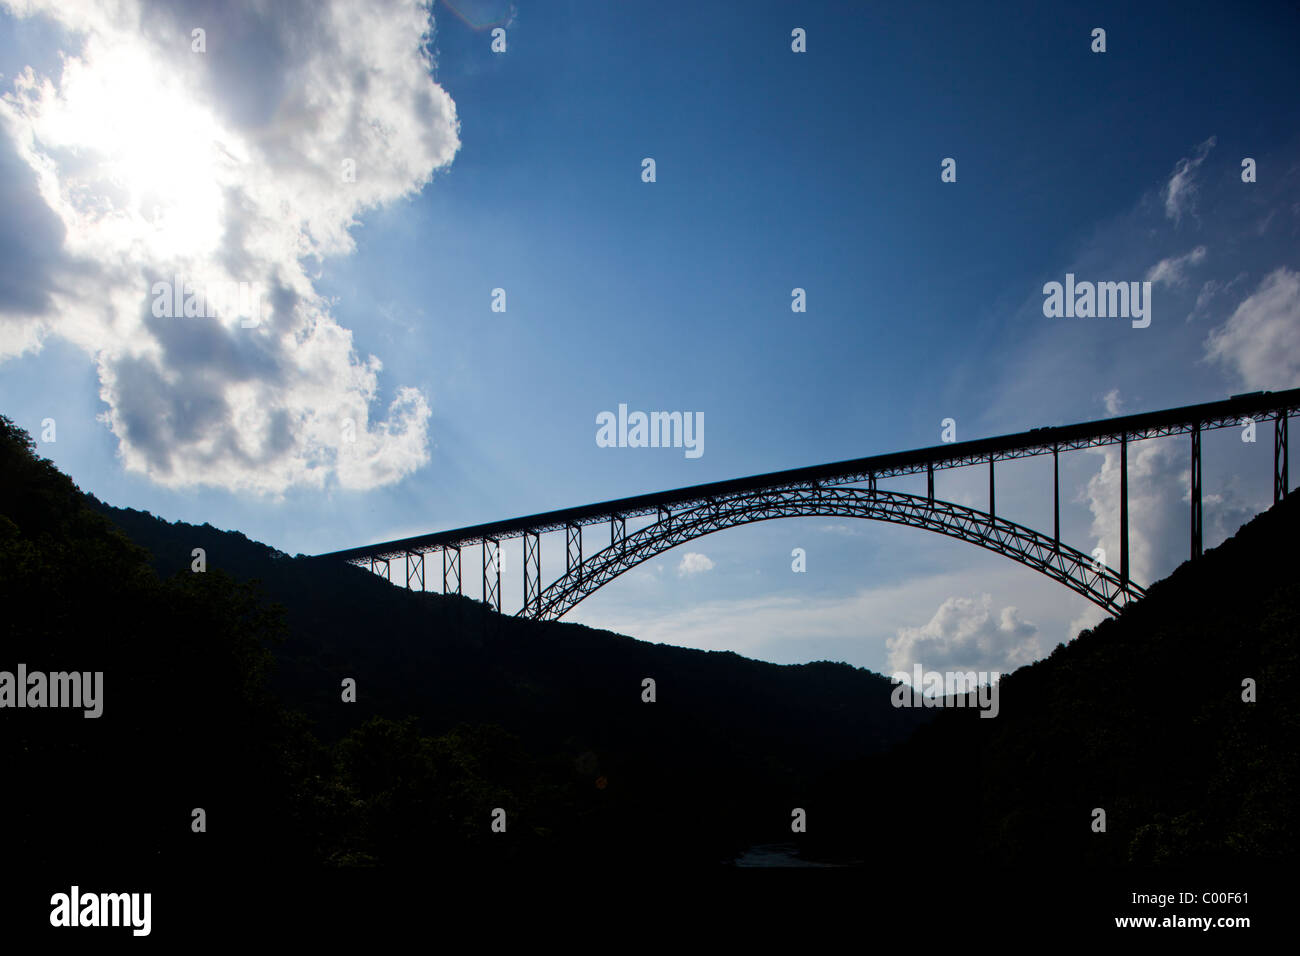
<point>724,732</point>
<point>345,621</point>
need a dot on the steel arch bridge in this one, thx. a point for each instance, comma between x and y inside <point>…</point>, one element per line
<point>1070,567</point>
<point>836,490</point>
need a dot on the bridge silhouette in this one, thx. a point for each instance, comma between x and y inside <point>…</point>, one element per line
<point>846,489</point>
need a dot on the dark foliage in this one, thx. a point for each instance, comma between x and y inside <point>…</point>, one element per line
<point>1142,716</point>
<point>222,691</point>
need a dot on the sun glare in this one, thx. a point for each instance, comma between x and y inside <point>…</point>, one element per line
<point>149,153</point>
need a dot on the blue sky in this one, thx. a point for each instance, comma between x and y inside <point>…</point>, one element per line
<point>521,170</point>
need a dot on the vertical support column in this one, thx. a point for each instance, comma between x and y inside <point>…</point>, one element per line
<point>492,582</point>
<point>532,572</point>
<point>386,573</point>
<point>415,568</point>
<point>1123,512</point>
<point>1056,496</point>
<point>617,530</point>
<point>1196,491</point>
<point>573,549</point>
<point>993,510</point>
<point>871,482</point>
<point>1280,477</point>
<point>929,483</point>
<point>450,568</point>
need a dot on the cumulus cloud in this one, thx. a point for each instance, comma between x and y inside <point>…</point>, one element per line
<point>1112,401</point>
<point>146,165</point>
<point>966,634</point>
<point>1180,191</point>
<point>694,563</point>
<point>1170,271</point>
<point>29,248</point>
<point>1156,475</point>
<point>1159,503</point>
<point>1260,342</point>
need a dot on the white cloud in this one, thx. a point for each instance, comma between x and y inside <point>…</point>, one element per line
<point>802,626</point>
<point>1156,475</point>
<point>1180,191</point>
<point>694,563</point>
<point>966,634</point>
<point>1170,271</point>
<point>1112,402</point>
<point>1260,342</point>
<point>227,166</point>
<point>1159,505</point>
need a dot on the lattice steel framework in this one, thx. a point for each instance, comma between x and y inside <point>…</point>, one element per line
<point>532,572</point>
<point>833,489</point>
<point>450,569</point>
<point>414,569</point>
<point>492,572</point>
<point>1073,568</point>
<point>573,547</point>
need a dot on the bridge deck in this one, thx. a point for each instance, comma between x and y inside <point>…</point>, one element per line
<point>1036,441</point>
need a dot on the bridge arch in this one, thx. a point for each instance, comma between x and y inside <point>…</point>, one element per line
<point>1078,571</point>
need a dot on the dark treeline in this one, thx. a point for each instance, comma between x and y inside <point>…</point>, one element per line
<point>223,691</point>
<point>1142,716</point>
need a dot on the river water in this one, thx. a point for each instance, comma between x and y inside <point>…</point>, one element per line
<point>775,854</point>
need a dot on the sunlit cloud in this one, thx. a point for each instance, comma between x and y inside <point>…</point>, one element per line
<point>694,563</point>
<point>966,634</point>
<point>239,165</point>
<point>1260,342</point>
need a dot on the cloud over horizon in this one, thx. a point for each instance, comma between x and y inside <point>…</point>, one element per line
<point>965,634</point>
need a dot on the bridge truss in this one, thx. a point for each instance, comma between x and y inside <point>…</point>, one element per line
<point>843,489</point>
